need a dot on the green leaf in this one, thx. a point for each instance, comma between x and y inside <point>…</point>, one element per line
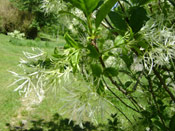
<point>103,11</point>
<point>140,2</point>
<point>87,6</point>
<point>96,70</point>
<point>107,55</point>
<point>128,59</point>
<point>128,83</point>
<point>119,40</point>
<point>74,61</point>
<point>143,44</point>
<point>172,124</point>
<point>57,54</point>
<point>71,42</point>
<point>110,71</point>
<point>146,113</point>
<point>56,50</point>
<point>159,125</point>
<point>100,88</point>
<point>118,21</point>
<point>138,18</point>
<point>91,5</point>
<point>128,2</point>
<point>93,52</point>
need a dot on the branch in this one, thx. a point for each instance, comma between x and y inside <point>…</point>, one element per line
<point>107,25</point>
<point>123,9</point>
<point>132,77</point>
<point>132,100</point>
<point>163,84</point>
<point>119,111</point>
<point>93,43</point>
<point>155,102</point>
<point>119,97</point>
<point>138,81</point>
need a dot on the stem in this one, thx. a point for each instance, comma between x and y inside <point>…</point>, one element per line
<point>109,49</point>
<point>121,6</point>
<point>118,97</point>
<point>93,42</point>
<point>109,23</point>
<point>138,80</point>
<point>150,8</point>
<point>123,9</point>
<point>163,84</point>
<point>159,4</point>
<point>132,77</point>
<point>132,100</point>
<point>119,111</point>
<point>107,26</point>
<point>89,25</point>
<point>155,102</point>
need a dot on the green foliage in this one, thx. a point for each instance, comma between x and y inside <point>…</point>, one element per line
<point>128,59</point>
<point>103,11</point>
<point>171,124</point>
<point>93,52</point>
<point>119,41</point>
<point>130,68</point>
<point>96,70</point>
<point>140,2</point>
<point>71,42</point>
<point>118,20</point>
<point>113,124</point>
<point>138,18</point>
<point>87,6</point>
<point>13,19</point>
<point>59,123</point>
<point>39,19</point>
<point>110,71</point>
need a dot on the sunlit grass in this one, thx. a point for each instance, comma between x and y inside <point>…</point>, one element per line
<point>9,59</point>
<point>10,101</point>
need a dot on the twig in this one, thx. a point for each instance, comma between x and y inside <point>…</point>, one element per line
<point>109,23</point>
<point>132,101</point>
<point>93,43</point>
<point>155,102</point>
<point>118,97</point>
<point>163,84</point>
<point>138,80</point>
<point>119,111</point>
<point>123,9</point>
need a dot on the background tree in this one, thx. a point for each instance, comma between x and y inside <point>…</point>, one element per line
<point>12,19</point>
<point>40,18</point>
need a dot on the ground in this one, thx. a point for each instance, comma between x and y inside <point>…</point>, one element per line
<point>12,105</point>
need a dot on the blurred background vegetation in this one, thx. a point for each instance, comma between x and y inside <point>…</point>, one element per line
<point>29,24</point>
<point>27,17</point>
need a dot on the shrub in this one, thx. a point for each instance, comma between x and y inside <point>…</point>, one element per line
<point>13,19</point>
<point>40,19</point>
<point>16,34</point>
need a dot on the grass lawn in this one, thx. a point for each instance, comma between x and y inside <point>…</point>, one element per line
<point>10,54</point>
<point>12,108</point>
